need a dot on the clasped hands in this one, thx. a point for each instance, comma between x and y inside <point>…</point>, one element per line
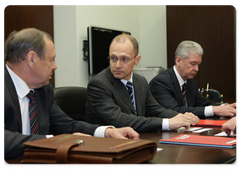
<point>183,120</point>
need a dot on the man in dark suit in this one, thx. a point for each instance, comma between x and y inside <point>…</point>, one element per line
<point>112,100</point>
<point>29,57</point>
<point>167,87</point>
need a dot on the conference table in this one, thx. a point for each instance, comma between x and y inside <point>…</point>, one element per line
<point>184,154</point>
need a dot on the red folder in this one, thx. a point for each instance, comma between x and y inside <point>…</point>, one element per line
<point>196,140</point>
<point>211,123</point>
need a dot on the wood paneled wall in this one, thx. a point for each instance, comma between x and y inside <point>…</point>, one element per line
<point>19,17</point>
<point>214,27</point>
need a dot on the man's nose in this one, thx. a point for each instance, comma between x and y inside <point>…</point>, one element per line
<point>118,63</point>
<point>54,66</point>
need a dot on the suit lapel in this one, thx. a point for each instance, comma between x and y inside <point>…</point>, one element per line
<point>176,85</point>
<point>121,90</point>
<point>138,95</point>
<point>190,94</point>
<point>10,89</point>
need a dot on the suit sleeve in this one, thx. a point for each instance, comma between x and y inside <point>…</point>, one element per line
<point>60,122</point>
<point>13,143</point>
<point>153,108</point>
<point>164,92</point>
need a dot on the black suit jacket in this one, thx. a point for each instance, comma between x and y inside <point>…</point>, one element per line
<point>51,119</point>
<point>166,90</point>
<point>108,102</point>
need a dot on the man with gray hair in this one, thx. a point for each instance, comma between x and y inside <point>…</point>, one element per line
<point>177,90</point>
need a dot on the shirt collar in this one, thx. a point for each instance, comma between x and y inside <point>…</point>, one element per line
<point>180,79</point>
<point>20,86</point>
<point>125,81</point>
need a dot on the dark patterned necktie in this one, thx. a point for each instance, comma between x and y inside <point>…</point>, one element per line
<point>184,89</point>
<point>33,113</point>
<point>130,92</point>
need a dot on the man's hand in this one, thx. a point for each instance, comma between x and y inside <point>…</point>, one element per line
<point>234,105</point>
<point>229,126</point>
<point>121,133</point>
<point>81,134</point>
<point>225,110</point>
<point>183,120</point>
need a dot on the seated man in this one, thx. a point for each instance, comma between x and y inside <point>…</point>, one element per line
<point>167,87</point>
<point>120,97</point>
<point>30,112</point>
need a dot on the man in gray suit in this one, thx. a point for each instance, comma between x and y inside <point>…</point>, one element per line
<point>112,100</point>
<point>167,87</point>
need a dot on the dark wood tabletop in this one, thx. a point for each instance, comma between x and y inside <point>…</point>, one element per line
<point>184,154</point>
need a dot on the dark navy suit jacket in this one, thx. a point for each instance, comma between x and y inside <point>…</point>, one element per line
<point>166,90</point>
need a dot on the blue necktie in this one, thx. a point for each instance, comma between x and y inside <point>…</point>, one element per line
<point>33,113</point>
<point>130,92</point>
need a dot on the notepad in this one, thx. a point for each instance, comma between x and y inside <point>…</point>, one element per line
<point>196,140</point>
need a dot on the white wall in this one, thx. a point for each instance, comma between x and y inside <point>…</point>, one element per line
<point>153,36</point>
<point>146,23</point>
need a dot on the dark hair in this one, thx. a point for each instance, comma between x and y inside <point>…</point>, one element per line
<point>19,43</point>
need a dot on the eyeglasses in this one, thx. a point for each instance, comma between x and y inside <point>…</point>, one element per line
<point>123,60</point>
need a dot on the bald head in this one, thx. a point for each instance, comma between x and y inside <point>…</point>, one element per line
<point>123,37</point>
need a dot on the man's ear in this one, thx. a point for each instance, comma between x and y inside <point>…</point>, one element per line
<point>31,59</point>
<point>178,60</point>
<point>138,58</point>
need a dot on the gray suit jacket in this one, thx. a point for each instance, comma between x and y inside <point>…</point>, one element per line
<point>166,90</point>
<point>109,103</point>
<point>51,119</point>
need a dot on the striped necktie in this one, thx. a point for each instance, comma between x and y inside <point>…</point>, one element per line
<point>184,90</point>
<point>33,113</point>
<point>130,92</point>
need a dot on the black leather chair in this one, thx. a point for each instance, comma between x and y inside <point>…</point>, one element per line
<point>72,101</point>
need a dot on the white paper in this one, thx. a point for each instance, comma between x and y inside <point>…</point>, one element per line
<point>224,134</point>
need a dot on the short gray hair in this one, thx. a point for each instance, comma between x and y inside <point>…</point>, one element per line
<point>187,47</point>
<point>19,43</point>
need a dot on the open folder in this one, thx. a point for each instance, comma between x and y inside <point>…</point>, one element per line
<point>196,140</point>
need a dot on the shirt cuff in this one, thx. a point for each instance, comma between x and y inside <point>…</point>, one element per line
<point>208,111</point>
<point>100,131</point>
<point>49,136</point>
<point>165,124</point>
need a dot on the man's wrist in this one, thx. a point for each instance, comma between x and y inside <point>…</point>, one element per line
<point>101,131</point>
<point>107,135</point>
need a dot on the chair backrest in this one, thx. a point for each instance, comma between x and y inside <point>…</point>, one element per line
<point>72,101</point>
